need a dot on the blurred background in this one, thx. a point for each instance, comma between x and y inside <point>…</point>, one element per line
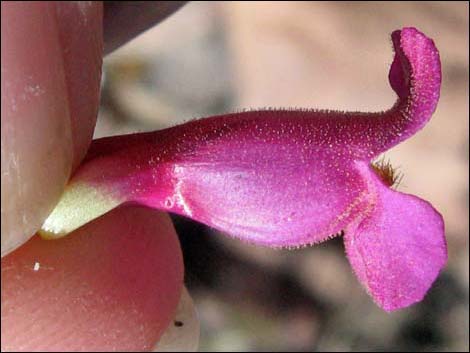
<point>217,57</point>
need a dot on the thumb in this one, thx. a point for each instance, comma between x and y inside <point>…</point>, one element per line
<point>51,66</point>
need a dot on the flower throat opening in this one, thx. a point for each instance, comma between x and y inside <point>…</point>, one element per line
<point>385,171</point>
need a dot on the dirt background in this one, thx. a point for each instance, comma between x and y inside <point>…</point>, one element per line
<point>212,58</point>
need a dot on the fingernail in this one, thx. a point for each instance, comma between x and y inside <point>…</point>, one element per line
<point>183,333</point>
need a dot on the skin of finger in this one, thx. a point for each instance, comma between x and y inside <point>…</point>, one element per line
<point>113,285</point>
<point>124,20</point>
<point>48,108</point>
<point>80,25</point>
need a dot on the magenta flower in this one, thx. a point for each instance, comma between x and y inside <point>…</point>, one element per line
<point>287,178</point>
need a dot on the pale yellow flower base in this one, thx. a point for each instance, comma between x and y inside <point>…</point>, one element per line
<point>78,205</point>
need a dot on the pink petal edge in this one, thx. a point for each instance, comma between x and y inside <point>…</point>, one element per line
<point>398,250</point>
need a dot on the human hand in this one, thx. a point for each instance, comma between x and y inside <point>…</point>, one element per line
<point>92,290</point>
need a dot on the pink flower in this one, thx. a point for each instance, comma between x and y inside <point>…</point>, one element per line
<point>286,178</point>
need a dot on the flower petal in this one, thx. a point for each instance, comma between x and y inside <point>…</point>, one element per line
<point>415,76</point>
<point>273,177</point>
<point>398,250</point>
<point>241,176</point>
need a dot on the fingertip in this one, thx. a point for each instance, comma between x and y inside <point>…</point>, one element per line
<point>51,65</point>
<point>114,284</point>
<point>36,135</point>
<point>80,25</point>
